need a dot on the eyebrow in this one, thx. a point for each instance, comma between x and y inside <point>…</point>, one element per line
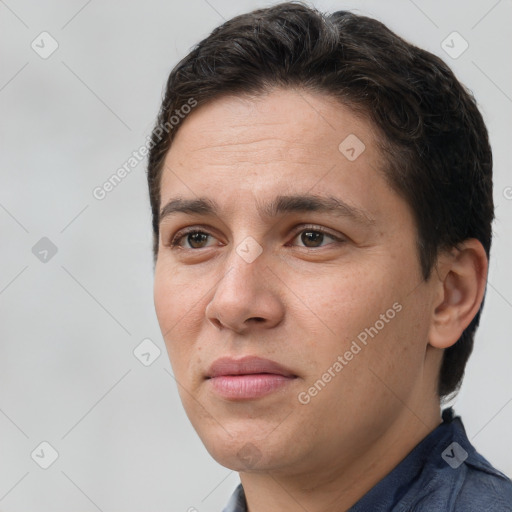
<point>279,206</point>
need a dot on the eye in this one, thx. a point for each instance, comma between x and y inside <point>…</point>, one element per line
<point>196,238</point>
<point>313,236</point>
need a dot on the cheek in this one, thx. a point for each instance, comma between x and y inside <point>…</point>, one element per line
<point>347,299</point>
<point>178,304</point>
<point>165,302</point>
<point>175,295</point>
<point>356,313</point>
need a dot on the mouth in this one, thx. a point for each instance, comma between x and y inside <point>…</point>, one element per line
<point>247,378</point>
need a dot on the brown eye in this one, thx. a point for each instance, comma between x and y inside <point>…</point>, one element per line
<point>195,239</point>
<point>313,238</point>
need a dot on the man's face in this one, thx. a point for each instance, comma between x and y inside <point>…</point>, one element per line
<point>335,297</point>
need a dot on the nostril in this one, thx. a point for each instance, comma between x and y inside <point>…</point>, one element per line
<point>217,323</point>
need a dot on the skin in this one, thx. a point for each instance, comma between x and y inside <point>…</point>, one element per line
<point>303,301</point>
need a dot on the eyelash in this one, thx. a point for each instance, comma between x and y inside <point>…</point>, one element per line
<point>188,231</point>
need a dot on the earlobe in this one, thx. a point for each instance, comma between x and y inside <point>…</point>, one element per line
<point>460,291</point>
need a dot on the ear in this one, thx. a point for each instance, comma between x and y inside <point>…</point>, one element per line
<point>460,288</point>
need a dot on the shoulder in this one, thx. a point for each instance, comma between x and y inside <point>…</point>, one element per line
<point>474,485</point>
<point>484,488</point>
<point>477,484</point>
<point>456,478</point>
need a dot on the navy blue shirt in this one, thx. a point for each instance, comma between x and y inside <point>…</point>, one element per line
<point>443,473</point>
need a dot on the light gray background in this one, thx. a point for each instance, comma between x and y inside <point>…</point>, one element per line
<point>69,326</point>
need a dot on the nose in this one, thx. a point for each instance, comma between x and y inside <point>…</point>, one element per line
<point>246,296</point>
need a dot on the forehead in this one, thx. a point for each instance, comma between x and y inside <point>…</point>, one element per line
<point>282,123</point>
<point>286,141</point>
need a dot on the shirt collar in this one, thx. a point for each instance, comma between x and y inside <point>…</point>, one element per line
<point>237,502</point>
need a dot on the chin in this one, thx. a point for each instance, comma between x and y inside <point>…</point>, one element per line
<point>244,457</point>
<point>244,451</point>
<point>245,441</point>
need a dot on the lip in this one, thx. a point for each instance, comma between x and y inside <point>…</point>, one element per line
<point>247,365</point>
<point>247,378</point>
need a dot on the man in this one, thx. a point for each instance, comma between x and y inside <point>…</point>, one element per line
<point>322,205</point>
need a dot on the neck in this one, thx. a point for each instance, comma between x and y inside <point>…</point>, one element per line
<point>335,485</point>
